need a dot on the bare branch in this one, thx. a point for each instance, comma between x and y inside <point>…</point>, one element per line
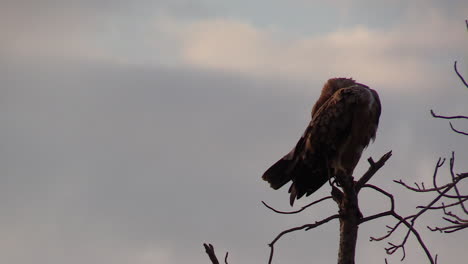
<point>440,189</point>
<point>458,116</point>
<point>459,220</point>
<point>211,253</point>
<point>458,131</point>
<point>448,117</point>
<point>401,220</point>
<point>380,190</point>
<point>456,223</point>
<point>456,70</point>
<point>417,189</point>
<point>443,205</point>
<point>455,180</point>
<point>449,229</point>
<point>374,167</point>
<point>305,227</point>
<point>297,211</point>
<point>415,233</point>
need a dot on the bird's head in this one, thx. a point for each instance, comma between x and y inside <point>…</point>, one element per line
<point>330,87</point>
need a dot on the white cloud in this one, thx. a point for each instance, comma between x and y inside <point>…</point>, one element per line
<point>406,54</point>
<point>403,55</point>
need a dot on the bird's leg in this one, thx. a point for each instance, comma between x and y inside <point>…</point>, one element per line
<point>330,175</point>
<point>337,195</point>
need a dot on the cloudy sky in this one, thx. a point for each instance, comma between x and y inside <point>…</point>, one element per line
<point>134,131</point>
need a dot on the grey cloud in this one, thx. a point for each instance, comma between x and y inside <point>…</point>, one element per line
<point>112,30</point>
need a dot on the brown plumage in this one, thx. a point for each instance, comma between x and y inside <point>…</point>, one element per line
<point>344,120</point>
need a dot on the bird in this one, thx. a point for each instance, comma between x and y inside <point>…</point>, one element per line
<point>344,120</point>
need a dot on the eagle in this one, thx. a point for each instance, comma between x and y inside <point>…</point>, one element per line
<point>344,120</point>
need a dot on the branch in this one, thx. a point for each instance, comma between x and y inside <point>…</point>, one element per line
<point>449,229</point>
<point>374,167</point>
<point>456,70</point>
<point>459,116</point>
<point>455,180</point>
<point>456,223</point>
<point>411,228</point>
<point>448,117</point>
<point>305,227</point>
<point>211,253</point>
<point>458,131</point>
<point>392,204</point>
<point>443,205</point>
<point>422,190</point>
<point>297,211</point>
<point>440,189</point>
<point>401,220</point>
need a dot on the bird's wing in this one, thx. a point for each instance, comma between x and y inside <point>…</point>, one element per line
<point>280,173</point>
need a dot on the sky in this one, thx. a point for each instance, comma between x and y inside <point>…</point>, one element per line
<point>135,131</point>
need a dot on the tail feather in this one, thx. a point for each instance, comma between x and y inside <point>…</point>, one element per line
<point>293,191</point>
<point>277,175</point>
<point>305,180</point>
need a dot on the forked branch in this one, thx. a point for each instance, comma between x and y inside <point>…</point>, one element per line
<point>408,221</point>
<point>209,249</point>
<point>374,167</point>
<point>303,227</point>
<point>457,116</point>
<point>455,198</point>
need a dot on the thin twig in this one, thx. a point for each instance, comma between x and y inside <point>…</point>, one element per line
<point>440,189</point>
<point>443,205</point>
<point>297,211</point>
<point>449,229</point>
<point>448,117</point>
<point>458,131</point>
<point>454,180</point>
<point>305,227</point>
<point>456,71</point>
<point>401,220</point>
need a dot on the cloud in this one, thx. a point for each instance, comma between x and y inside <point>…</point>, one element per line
<point>403,55</point>
<point>112,31</point>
